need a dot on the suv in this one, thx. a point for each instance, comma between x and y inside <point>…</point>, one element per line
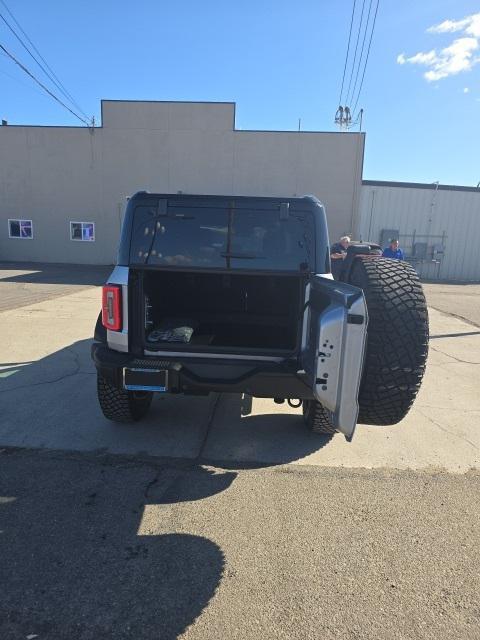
<point>235,294</point>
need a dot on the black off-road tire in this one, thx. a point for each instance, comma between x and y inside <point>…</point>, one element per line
<point>317,418</point>
<point>397,342</point>
<point>120,405</point>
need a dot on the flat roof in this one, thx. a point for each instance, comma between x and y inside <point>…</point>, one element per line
<point>420,185</point>
<point>179,102</point>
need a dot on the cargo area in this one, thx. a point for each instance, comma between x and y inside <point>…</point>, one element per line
<point>215,311</point>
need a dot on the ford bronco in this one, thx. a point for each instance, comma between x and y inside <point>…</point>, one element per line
<point>235,294</point>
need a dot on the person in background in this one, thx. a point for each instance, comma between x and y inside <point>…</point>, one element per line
<point>338,251</point>
<point>393,251</point>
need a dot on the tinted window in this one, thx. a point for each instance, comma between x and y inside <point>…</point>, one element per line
<point>262,240</point>
<point>221,238</point>
<point>183,238</point>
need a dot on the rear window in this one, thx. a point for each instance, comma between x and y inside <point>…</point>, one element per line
<point>211,238</point>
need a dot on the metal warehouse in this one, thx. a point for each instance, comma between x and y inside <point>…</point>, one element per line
<point>64,189</point>
<point>437,225</point>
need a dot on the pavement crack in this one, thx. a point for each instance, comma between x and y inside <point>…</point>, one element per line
<point>75,372</point>
<point>452,433</point>
<point>151,483</point>
<point>454,315</point>
<point>453,357</point>
<point>170,476</point>
<point>210,420</point>
<point>450,408</point>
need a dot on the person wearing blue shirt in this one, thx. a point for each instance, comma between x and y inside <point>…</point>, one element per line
<point>393,251</point>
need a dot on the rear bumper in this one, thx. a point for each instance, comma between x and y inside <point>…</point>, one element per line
<point>199,377</point>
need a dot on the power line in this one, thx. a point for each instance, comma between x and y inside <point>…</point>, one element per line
<point>361,51</point>
<point>348,50</point>
<point>42,85</point>
<point>355,54</point>
<point>50,73</point>
<point>24,84</point>
<point>367,56</point>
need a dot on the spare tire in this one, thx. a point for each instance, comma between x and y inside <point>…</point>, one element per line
<point>397,338</point>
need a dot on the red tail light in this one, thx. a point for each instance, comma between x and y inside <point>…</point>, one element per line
<point>112,307</point>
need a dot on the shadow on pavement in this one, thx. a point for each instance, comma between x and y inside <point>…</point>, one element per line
<point>455,335</point>
<point>77,559</point>
<point>83,554</point>
<point>52,404</point>
<point>42,273</point>
<point>241,438</point>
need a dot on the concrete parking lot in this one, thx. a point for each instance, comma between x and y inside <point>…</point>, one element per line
<point>220,517</point>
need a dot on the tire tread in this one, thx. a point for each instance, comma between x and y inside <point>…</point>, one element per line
<point>317,418</point>
<point>120,405</point>
<point>397,340</point>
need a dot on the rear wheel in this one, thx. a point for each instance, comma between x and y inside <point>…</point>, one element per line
<point>120,405</point>
<point>397,338</point>
<point>317,418</point>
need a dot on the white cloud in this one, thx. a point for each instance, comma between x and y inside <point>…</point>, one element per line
<point>456,57</point>
<point>466,90</point>
<point>470,24</point>
<point>450,26</point>
<point>419,58</point>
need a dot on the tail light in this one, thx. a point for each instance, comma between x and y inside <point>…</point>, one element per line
<point>112,307</point>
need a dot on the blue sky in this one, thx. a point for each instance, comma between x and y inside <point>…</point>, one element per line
<point>279,61</point>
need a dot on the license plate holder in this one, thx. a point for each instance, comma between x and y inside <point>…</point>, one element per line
<point>138,379</point>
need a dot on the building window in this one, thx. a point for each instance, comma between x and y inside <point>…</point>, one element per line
<point>22,229</point>
<point>82,231</point>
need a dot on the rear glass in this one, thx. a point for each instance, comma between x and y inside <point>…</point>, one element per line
<point>210,238</point>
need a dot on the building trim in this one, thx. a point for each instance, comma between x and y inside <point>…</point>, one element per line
<point>199,102</point>
<point>419,185</point>
<point>333,133</point>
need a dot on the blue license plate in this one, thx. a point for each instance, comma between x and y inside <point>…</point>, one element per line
<point>145,379</point>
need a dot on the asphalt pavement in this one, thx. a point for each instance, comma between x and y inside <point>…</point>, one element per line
<point>23,284</point>
<point>221,517</point>
<point>109,547</point>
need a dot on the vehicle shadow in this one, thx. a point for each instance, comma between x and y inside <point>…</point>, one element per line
<point>101,552</point>
<point>254,433</point>
<point>52,273</point>
<point>52,404</point>
<point>84,555</point>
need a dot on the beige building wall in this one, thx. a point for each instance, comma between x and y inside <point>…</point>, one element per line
<point>54,175</point>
